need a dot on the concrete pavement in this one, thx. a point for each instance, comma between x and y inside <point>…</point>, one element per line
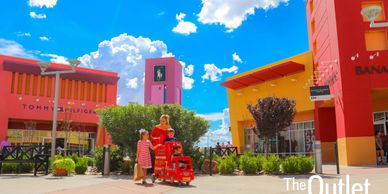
<point>96,184</point>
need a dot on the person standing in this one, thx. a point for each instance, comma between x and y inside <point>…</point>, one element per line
<point>143,155</point>
<point>5,142</point>
<point>379,148</point>
<point>159,133</point>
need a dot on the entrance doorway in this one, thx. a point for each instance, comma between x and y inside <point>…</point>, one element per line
<point>380,122</point>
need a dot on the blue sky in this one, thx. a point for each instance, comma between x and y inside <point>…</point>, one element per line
<point>214,39</point>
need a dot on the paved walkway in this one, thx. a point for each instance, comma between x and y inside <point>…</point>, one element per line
<point>89,184</point>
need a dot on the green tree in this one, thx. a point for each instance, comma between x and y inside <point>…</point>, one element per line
<point>123,123</point>
<point>272,115</point>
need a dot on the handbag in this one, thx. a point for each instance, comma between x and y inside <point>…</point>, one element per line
<point>138,172</point>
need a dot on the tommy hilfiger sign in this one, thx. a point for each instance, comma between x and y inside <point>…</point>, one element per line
<point>60,109</point>
<point>374,69</point>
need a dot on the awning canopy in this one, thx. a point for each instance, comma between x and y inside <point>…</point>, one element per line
<point>277,71</point>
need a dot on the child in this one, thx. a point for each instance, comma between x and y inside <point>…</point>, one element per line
<point>177,152</point>
<point>143,155</point>
<point>170,135</point>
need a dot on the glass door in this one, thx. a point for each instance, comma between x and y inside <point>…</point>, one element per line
<point>380,126</point>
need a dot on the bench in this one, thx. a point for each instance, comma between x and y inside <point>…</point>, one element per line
<point>36,154</point>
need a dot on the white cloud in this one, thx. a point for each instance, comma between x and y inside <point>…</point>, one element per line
<point>132,83</point>
<point>55,58</point>
<point>37,16</point>
<point>12,48</point>
<point>23,34</point>
<point>44,38</point>
<point>236,58</point>
<point>187,72</point>
<point>212,116</point>
<point>126,55</point>
<point>231,13</point>
<point>213,73</point>
<point>184,27</point>
<point>42,3</point>
<point>220,134</point>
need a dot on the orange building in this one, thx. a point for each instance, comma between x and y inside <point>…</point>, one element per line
<point>285,78</point>
<point>26,103</point>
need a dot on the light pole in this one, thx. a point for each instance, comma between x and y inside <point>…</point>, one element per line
<point>371,12</point>
<point>43,67</point>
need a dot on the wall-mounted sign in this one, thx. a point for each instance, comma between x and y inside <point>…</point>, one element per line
<point>374,69</point>
<point>32,107</point>
<point>159,73</point>
<point>318,93</point>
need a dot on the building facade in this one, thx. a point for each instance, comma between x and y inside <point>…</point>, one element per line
<point>26,104</point>
<point>163,81</point>
<point>348,56</point>
<point>285,78</point>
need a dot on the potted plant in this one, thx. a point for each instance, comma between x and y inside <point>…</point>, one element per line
<point>63,167</point>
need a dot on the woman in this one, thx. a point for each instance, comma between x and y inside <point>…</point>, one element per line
<point>160,131</point>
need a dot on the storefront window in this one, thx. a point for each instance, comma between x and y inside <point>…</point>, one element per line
<point>299,138</point>
<point>79,142</point>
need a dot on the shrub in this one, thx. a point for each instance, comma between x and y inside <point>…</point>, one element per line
<point>17,167</point>
<point>248,163</point>
<point>65,164</point>
<point>127,167</point>
<point>271,165</point>
<point>74,157</point>
<point>116,159</point>
<point>91,161</point>
<point>305,164</point>
<point>81,165</point>
<point>227,165</point>
<point>260,160</point>
<point>290,165</point>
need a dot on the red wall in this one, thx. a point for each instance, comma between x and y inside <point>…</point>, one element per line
<point>339,35</point>
<point>28,107</point>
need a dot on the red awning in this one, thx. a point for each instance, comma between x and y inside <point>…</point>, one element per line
<point>277,71</point>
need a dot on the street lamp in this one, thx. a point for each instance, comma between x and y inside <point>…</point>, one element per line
<point>43,67</point>
<point>371,12</point>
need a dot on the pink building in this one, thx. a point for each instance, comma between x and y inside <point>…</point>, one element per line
<point>163,81</point>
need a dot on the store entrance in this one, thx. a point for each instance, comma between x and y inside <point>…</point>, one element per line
<point>380,122</point>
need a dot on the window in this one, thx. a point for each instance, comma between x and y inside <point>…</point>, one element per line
<point>76,86</point>
<point>311,6</point>
<point>27,87</point>
<point>35,85</point>
<point>49,86</point>
<point>69,89</point>
<point>299,138</point>
<point>315,47</point>
<point>100,92</point>
<point>381,16</point>
<point>63,88</point>
<point>376,40</point>
<point>42,85</point>
<point>105,92</point>
<point>94,92</point>
<point>313,26</point>
<point>13,82</point>
<point>20,83</point>
<point>82,91</point>
<point>88,91</point>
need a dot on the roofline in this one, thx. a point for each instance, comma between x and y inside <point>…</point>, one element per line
<point>265,66</point>
<point>33,61</point>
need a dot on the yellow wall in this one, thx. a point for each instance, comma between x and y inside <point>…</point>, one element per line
<point>283,87</point>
